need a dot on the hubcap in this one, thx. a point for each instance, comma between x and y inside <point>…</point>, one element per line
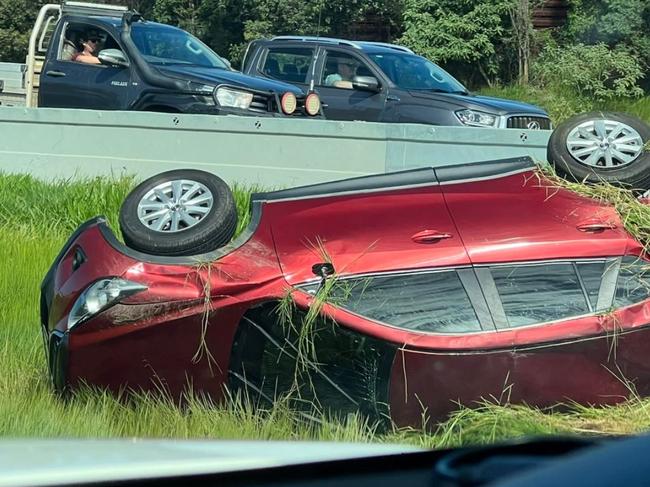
<point>175,206</point>
<point>604,143</point>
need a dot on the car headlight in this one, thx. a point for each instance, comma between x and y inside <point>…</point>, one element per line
<point>475,118</point>
<point>227,97</point>
<point>99,296</point>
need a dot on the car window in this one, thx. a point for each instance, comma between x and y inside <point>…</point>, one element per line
<point>633,284</point>
<point>76,33</point>
<point>591,274</point>
<point>411,72</point>
<point>288,64</point>
<point>533,294</point>
<point>341,68</point>
<point>426,301</point>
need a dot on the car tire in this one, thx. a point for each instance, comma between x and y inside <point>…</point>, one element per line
<point>180,212</point>
<point>588,148</point>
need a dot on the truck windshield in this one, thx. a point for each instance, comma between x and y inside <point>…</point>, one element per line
<point>411,72</point>
<point>164,45</point>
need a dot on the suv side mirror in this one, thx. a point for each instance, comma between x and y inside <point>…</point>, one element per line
<point>365,83</point>
<point>113,57</point>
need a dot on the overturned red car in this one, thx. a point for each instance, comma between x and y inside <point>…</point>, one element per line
<point>443,286</point>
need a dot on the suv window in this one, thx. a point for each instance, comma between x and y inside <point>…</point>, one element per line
<point>288,64</point>
<point>540,293</point>
<point>633,284</point>
<point>341,68</point>
<point>424,301</point>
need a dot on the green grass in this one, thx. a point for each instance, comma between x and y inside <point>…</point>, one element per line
<point>562,105</point>
<point>36,219</point>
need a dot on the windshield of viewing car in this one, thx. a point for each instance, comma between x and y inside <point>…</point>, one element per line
<point>165,45</point>
<point>412,72</point>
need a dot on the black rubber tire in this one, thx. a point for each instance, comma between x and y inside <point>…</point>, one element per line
<point>214,231</point>
<point>635,175</point>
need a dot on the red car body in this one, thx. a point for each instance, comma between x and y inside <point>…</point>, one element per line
<point>211,322</point>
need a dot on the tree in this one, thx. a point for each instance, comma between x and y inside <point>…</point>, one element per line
<point>469,32</point>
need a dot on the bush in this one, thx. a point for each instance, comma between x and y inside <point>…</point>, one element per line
<point>591,71</point>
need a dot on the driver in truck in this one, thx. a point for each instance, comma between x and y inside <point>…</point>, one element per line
<point>88,48</point>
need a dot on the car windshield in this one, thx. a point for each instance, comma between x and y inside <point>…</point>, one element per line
<point>412,72</point>
<point>165,45</point>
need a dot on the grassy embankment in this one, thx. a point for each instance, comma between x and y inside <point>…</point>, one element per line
<point>560,106</point>
<point>35,220</point>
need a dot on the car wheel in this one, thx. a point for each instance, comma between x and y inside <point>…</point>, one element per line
<point>602,147</point>
<point>180,212</point>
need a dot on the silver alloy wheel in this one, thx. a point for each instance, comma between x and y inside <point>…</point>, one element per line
<point>604,143</point>
<point>174,206</point>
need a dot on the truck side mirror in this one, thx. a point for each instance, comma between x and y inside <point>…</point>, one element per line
<point>113,57</point>
<point>365,83</point>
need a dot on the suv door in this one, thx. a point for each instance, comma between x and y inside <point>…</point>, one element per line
<point>66,83</point>
<point>341,101</point>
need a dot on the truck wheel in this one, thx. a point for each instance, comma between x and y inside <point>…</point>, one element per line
<point>180,212</point>
<point>602,147</point>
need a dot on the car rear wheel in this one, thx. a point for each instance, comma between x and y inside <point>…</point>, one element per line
<point>180,212</point>
<point>602,147</point>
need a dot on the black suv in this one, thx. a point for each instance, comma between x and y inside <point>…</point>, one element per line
<point>380,82</point>
<point>151,67</point>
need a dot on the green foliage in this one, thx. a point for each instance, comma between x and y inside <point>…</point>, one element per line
<point>591,71</point>
<point>16,20</point>
<point>470,32</point>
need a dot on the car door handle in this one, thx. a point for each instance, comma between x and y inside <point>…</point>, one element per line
<point>594,226</point>
<point>392,98</point>
<point>55,74</point>
<point>430,236</point>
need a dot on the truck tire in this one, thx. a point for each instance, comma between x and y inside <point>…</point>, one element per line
<point>602,147</point>
<point>180,212</point>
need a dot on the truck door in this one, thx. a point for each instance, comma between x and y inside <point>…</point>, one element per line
<point>340,100</point>
<point>69,83</point>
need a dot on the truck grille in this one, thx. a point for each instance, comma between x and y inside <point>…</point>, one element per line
<point>261,103</point>
<point>529,122</point>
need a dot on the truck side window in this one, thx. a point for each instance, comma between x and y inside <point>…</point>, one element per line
<point>341,68</point>
<point>76,34</point>
<point>289,64</point>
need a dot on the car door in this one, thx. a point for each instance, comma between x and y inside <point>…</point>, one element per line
<point>66,83</point>
<point>343,102</point>
<point>361,231</point>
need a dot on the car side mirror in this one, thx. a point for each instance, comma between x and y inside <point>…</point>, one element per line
<point>365,83</point>
<point>113,57</point>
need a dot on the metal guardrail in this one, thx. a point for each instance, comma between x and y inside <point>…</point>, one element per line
<point>271,152</point>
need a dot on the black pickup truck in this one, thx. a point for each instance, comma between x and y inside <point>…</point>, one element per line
<point>378,82</point>
<point>133,64</point>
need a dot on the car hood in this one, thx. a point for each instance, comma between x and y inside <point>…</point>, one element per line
<point>218,76</point>
<point>488,103</point>
<point>67,462</point>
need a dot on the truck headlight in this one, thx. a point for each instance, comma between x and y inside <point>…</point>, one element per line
<point>99,296</point>
<point>475,118</point>
<point>201,88</point>
<point>227,97</point>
